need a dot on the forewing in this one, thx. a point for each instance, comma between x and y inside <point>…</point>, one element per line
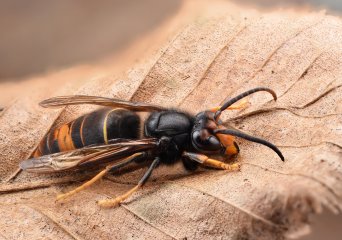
<point>88,156</point>
<point>102,101</point>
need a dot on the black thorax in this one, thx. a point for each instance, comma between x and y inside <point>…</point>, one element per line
<point>173,128</point>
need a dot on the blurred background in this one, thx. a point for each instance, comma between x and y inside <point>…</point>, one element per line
<point>41,37</point>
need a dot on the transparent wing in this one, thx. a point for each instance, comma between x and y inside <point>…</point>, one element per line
<point>88,156</point>
<point>109,102</point>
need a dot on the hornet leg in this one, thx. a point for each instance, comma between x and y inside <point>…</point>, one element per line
<point>115,201</point>
<point>244,103</point>
<point>205,161</point>
<point>109,168</point>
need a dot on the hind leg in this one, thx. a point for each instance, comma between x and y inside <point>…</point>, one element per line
<point>109,168</point>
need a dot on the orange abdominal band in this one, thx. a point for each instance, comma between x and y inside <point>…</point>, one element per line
<point>65,142</point>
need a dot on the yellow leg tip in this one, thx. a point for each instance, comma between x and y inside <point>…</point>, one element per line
<point>232,167</point>
<point>116,201</point>
<point>109,203</point>
<point>61,197</point>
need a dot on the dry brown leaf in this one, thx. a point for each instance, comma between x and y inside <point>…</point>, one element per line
<point>220,54</point>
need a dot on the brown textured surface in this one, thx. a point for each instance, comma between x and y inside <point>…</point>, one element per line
<point>221,53</point>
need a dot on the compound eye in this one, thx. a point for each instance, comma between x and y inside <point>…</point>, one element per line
<point>210,143</point>
<point>214,142</point>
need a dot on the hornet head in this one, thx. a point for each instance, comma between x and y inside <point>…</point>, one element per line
<point>209,136</point>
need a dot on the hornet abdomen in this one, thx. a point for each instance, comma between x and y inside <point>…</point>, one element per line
<point>97,127</point>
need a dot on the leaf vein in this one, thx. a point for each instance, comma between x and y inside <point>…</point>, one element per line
<point>246,211</point>
<point>322,183</point>
<point>52,219</point>
<point>205,73</point>
<point>327,92</point>
<point>126,207</point>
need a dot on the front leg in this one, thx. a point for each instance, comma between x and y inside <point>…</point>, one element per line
<point>209,162</point>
